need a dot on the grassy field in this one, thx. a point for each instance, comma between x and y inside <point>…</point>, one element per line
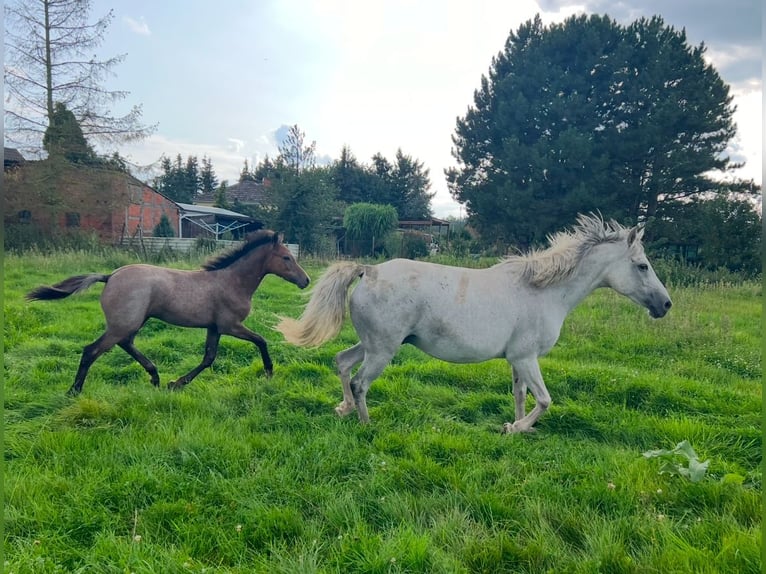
<point>240,473</point>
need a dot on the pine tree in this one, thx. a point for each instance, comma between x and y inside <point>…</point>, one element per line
<point>588,115</point>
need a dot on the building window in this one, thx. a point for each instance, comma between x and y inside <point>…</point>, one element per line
<point>25,216</point>
<point>72,219</point>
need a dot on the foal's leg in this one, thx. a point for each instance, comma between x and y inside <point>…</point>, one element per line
<point>128,346</point>
<point>346,361</point>
<point>527,372</point>
<point>89,354</point>
<point>211,350</point>
<point>241,332</point>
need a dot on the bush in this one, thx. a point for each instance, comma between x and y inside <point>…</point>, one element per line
<point>409,244</point>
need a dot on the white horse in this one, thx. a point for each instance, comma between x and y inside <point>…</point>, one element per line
<point>513,310</point>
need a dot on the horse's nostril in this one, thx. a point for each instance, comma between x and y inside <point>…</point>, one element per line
<point>668,304</point>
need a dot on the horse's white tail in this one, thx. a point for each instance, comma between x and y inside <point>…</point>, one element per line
<point>323,317</point>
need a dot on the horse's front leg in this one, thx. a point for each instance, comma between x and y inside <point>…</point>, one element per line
<point>519,395</point>
<point>241,332</point>
<point>527,374</point>
<point>211,350</point>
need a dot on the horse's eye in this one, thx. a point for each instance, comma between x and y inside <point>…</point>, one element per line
<point>286,257</point>
<point>643,267</point>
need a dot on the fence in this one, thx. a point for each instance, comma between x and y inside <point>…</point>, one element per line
<point>186,245</point>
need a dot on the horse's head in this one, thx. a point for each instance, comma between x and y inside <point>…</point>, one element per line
<point>633,276</point>
<point>282,263</point>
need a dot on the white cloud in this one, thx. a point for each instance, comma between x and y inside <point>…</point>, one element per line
<point>238,144</point>
<point>139,26</point>
<point>748,143</point>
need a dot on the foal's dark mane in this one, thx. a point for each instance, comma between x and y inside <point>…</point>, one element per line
<point>226,258</point>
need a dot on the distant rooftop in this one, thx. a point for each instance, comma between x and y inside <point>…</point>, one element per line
<point>12,157</point>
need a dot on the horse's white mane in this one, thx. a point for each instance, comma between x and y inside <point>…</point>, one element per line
<point>544,267</point>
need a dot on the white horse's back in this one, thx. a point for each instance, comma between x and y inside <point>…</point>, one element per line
<point>448,312</point>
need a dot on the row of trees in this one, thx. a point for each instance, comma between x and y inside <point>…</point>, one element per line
<point>183,180</point>
<point>304,200</point>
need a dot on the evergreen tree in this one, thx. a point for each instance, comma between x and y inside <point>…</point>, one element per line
<point>163,228</point>
<point>349,177</point>
<point>178,181</point>
<point>220,197</point>
<point>246,174</point>
<point>191,178</point>
<point>303,206</point>
<point>588,115</point>
<point>64,137</point>
<point>208,179</point>
<point>411,183</point>
<point>267,169</point>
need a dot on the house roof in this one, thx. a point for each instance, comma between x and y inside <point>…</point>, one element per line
<point>12,156</point>
<point>247,191</point>
<point>190,210</point>
<point>433,221</point>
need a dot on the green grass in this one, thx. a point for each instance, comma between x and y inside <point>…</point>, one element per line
<point>240,473</point>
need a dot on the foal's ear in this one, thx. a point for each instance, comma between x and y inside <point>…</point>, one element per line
<point>636,233</point>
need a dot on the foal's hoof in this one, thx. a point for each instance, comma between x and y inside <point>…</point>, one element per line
<point>175,386</point>
<point>73,392</point>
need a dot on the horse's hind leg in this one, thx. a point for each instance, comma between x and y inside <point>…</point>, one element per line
<point>346,360</point>
<point>211,350</point>
<point>89,354</point>
<point>128,346</point>
<point>373,365</point>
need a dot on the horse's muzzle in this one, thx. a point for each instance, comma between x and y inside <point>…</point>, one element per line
<point>658,311</point>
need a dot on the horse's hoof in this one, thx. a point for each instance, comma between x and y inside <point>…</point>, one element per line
<point>343,409</point>
<point>73,392</point>
<point>511,428</point>
<point>174,386</point>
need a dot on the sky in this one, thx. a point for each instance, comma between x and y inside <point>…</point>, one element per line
<point>224,79</point>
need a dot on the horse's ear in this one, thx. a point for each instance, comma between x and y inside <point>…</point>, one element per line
<point>276,238</point>
<point>636,232</point>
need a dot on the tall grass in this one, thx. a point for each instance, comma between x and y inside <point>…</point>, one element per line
<point>239,473</point>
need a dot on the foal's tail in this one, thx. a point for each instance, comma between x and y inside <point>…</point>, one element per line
<point>66,287</point>
<point>323,317</point>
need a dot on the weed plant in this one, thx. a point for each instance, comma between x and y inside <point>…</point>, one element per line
<point>240,474</point>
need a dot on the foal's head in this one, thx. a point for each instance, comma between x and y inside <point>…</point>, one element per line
<point>265,251</point>
<point>280,261</point>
